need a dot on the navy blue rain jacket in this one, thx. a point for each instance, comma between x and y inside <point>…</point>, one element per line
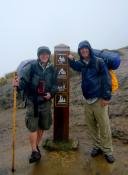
<point>96,81</point>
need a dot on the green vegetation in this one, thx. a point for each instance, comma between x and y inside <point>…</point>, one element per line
<point>6,79</point>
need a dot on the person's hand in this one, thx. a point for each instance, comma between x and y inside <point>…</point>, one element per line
<point>104,102</point>
<point>71,57</point>
<point>15,81</point>
<point>47,96</point>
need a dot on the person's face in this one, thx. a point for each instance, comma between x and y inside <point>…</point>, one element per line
<point>85,53</point>
<point>44,57</point>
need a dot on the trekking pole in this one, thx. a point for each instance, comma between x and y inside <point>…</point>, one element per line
<point>14,126</point>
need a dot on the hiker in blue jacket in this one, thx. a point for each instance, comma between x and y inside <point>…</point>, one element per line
<point>96,88</point>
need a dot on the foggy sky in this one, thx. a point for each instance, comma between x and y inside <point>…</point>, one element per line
<point>28,24</point>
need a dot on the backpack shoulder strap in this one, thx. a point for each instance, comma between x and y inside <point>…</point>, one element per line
<point>33,64</point>
<point>98,60</point>
<point>52,67</point>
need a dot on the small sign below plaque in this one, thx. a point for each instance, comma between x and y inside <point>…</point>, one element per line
<point>61,99</point>
<point>62,72</point>
<point>62,85</point>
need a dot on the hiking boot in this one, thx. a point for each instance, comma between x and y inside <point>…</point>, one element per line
<point>95,152</point>
<point>35,156</point>
<point>109,158</point>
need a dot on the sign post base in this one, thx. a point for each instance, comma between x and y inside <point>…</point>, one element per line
<point>51,145</point>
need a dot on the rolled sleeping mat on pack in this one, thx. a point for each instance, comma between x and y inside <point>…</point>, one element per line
<point>22,72</point>
<point>111,58</point>
<point>23,67</point>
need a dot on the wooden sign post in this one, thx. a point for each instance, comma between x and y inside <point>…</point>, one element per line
<point>61,139</point>
<point>61,99</point>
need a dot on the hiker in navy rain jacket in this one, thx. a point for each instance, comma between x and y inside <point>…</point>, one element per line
<point>96,88</point>
<point>93,85</point>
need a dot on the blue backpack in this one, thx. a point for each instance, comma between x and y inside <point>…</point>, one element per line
<point>111,58</point>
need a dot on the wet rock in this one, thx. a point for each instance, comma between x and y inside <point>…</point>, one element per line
<point>120,134</point>
<point>119,103</point>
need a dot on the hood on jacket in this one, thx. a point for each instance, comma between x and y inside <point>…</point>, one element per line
<point>43,49</point>
<point>85,44</point>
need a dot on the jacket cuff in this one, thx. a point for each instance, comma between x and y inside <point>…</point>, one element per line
<point>106,98</point>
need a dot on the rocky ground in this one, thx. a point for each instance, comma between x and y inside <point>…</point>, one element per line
<point>60,163</point>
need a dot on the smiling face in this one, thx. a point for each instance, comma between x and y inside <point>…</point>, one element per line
<point>85,53</point>
<point>44,57</point>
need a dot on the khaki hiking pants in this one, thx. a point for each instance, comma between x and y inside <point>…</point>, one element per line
<point>98,124</point>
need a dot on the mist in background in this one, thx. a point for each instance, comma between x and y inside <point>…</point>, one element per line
<point>26,25</point>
